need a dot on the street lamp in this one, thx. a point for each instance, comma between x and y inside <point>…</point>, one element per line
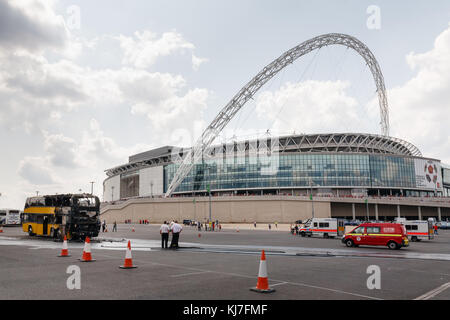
<point>311,197</point>
<point>367,204</point>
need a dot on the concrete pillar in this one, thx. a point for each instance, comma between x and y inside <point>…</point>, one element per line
<point>419,209</point>
<point>439,214</point>
<point>376,211</point>
<point>353,211</point>
<point>398,210</point>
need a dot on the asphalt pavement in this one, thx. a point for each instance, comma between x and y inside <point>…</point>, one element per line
<point>203,269</point>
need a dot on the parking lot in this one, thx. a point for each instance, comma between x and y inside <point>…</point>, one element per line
<point>220,265</point>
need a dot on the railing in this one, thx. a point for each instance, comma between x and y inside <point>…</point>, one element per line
<point>394,199</point>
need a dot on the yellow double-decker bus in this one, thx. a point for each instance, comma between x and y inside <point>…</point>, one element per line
<point>73,215</point>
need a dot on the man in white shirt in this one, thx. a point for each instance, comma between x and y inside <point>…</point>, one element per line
<point>176,229</point>
<point>164,231</point>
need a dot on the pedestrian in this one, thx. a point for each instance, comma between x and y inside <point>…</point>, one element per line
<point>199,226</point>
<point>276,224</point>
<point>210,226</point>
<point>164,231</point>
<point>176,229</point>
<point>103,226</point>
<point>254,224</point>
<point>270,227</point>
<point>435,229</point>
<point>220,227</point>
<point>296,229</point>
<point>213,224</point>
<point>114,227</point>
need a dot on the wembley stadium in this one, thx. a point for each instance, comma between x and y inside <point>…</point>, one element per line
<point>284,178</point>
<point>327,164</point>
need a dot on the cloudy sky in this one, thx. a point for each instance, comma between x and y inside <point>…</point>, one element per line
<point>85,84</point>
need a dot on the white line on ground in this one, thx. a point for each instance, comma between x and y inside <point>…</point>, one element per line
<point>141,262</point>
<point>434,292</point>
<point>277,284</point>
<point>188,274</point>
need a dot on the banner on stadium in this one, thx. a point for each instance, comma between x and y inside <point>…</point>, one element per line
<point>428,174</point>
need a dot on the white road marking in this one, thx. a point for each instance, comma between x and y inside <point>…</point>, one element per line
<point>188,274</point>
<point>277,284</point>
<point>434,292</point>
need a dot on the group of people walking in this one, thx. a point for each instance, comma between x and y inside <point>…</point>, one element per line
<point>209,225</point>
<point>105,226</point>
<point>165,229</point>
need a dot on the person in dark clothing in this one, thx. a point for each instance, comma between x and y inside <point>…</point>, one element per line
<point>176,229</point>
<point>164,231</point>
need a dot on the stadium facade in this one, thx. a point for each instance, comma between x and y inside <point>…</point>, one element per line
<point>278,177</point>
<point>321,164</point>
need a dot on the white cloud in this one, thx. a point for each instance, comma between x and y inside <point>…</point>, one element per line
<point>420,109</point>
<point>145,47</point>
<point>31,25</point>
<point>196,62</point>
<point>310,106</point>
<point>35,171</point>
<point>62,150</point>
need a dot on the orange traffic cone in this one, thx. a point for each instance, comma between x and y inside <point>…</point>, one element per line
<point>262,285</point>
<point>64,250</point>
<point>87,251</point>
<point>128,264</point>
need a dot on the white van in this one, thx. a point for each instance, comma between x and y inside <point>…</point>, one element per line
<point>10,217</point>
<point>418,230</point>
<point>323,227</point>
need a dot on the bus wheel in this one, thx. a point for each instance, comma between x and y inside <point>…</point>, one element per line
<point>325,235</point>
<point>414,239</point>
<point>392,245</point>
<point>302,234</point>
<point>30,231</point>
<point>349,243</point>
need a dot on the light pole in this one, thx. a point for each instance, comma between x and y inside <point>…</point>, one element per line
<point>367,204</point>
<point>151,189</point>
<point>92,187</point>
<point>208,188</point>
<point>311,197</point>
<point>112,193</point>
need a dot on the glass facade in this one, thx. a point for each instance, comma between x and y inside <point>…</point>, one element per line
<point>446,176</point>
<point>129,185</point>
<point>297,170</point>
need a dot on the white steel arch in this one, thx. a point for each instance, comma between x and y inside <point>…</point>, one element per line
<point>269,71</point>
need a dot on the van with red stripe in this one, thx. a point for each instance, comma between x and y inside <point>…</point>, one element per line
<point>417,230</point>
<point>392,235</point>
<point>322,227</point>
